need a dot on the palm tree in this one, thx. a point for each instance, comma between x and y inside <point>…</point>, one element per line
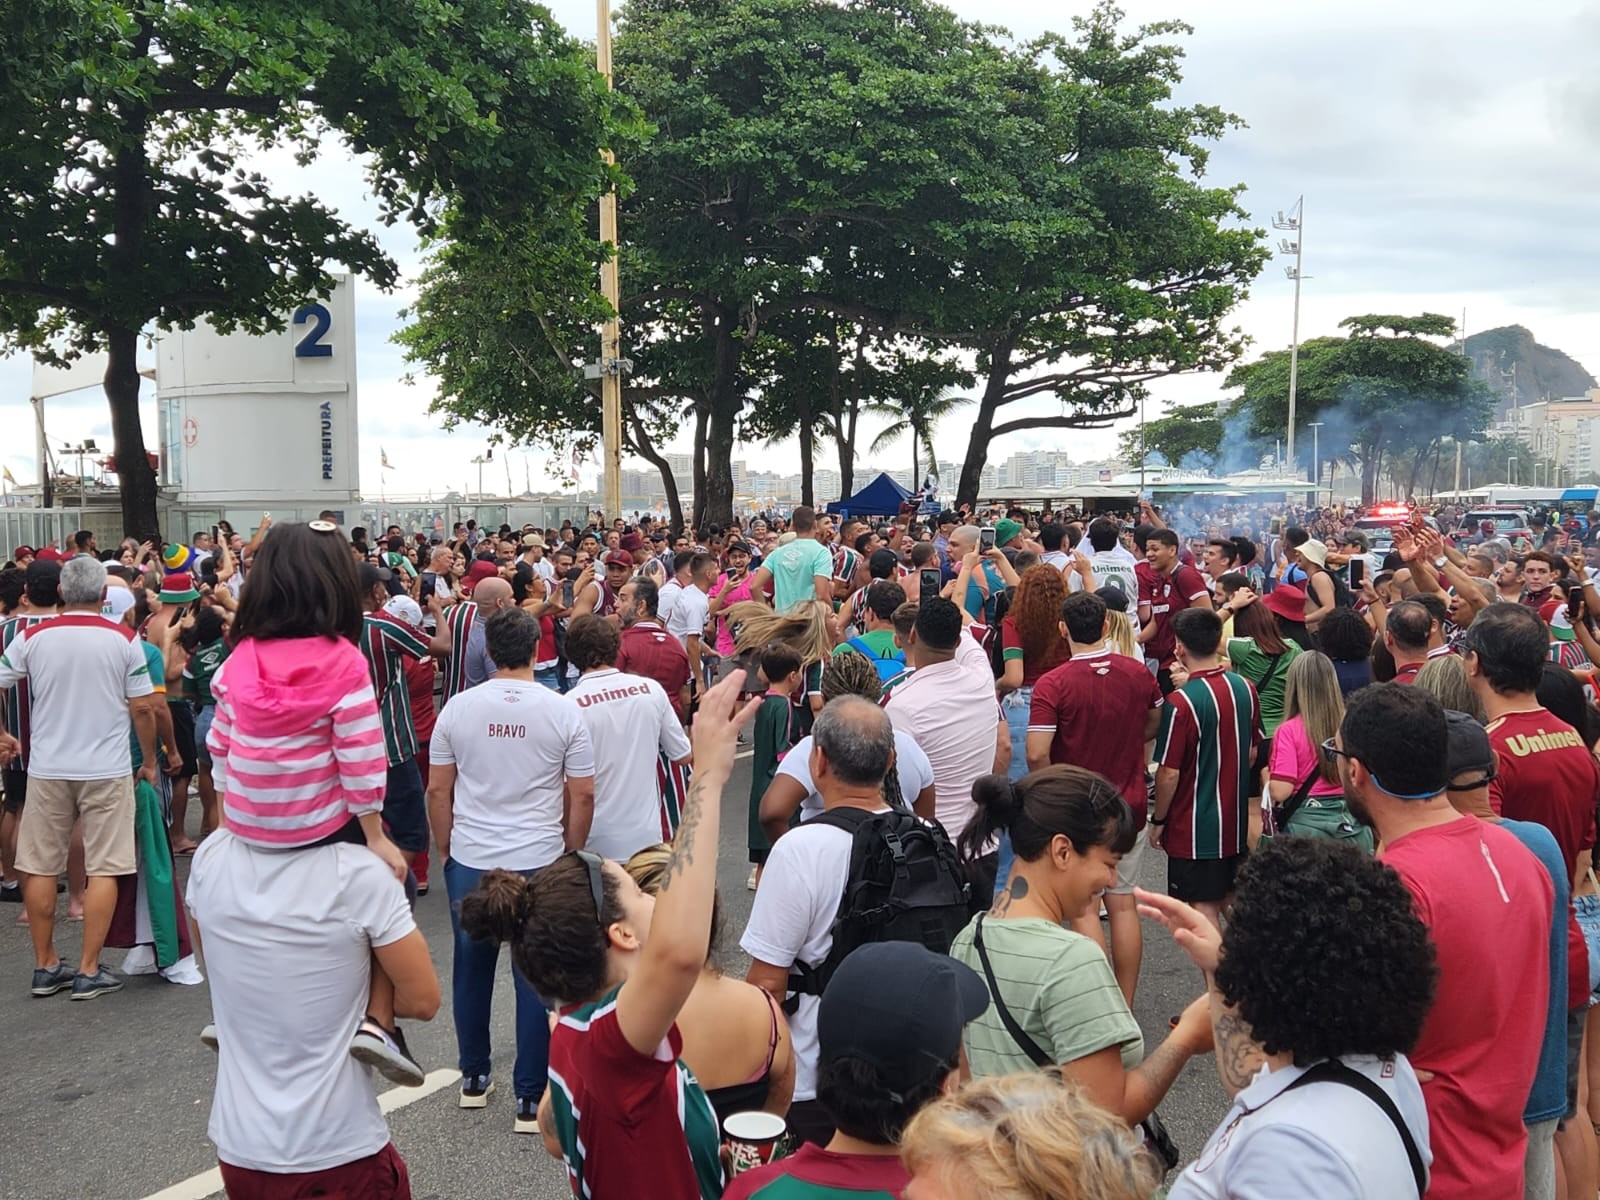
<point>916,418</point>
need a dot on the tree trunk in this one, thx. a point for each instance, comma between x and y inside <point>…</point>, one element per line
<point>1370,460</point>
<point>134,472</point>
<point>716,506</point>
<point>701,414</point>
<point>641,445</point>
<point>808,448</point>
<point>994,388</point>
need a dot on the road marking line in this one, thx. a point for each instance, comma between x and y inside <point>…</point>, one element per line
<point>744,754</point>
<point>209,1183</point>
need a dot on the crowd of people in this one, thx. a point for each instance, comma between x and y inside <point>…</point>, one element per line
<point>1372,779</point>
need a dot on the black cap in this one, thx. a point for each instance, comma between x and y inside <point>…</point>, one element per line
<point>901,1008</point>
<point>1467,747</point>
<point>372,575</point>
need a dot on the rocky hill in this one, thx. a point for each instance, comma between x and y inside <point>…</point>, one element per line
<point>1542,372</point>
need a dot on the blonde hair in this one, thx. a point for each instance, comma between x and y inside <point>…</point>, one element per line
<point>804,627</point>
<point>1445,678</point>
<point>1027,1137</point>
<point>1119,634</point>
<point>1311,692</point>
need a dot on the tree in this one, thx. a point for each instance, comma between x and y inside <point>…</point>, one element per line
<point>127,206</point>
<point>1387,390</point>
<point>803,151</point>
<point>1194,430</point>
<point>916,418</point>
<point>1084,257</point>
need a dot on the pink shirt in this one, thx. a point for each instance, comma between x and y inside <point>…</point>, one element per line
<point>1293,757</point>
<point>730,595</point>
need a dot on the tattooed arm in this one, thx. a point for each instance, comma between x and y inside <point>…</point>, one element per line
<point>1239,1055</point>
<point>680,930</point>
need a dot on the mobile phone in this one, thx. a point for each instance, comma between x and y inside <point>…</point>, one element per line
<point>930,583</point>
<point>1358,572</point>
<point>566,593</point>
<point>1276,527</point>
<point>213,535</point>
<point>986,539</point>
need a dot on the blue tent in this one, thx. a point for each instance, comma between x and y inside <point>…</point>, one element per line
<point>882,497</point>
<point>1578,495</point>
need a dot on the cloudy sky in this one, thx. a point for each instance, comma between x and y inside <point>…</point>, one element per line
<point>1446,164</point>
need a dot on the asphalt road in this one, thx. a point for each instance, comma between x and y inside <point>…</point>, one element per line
<point>110,1098</point>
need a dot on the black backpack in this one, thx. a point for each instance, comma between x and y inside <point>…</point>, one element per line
<point>905,885</point>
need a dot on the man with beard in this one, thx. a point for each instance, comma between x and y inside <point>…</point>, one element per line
<point>1488,904</point>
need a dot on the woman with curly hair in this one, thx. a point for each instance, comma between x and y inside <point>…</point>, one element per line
<point>908,783</point>
<point>1031,644</point>
<point>1021,1137</point>
<point>1347,641</point>
<point>1318,989</point>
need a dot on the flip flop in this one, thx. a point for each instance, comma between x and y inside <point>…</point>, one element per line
<point>185,851</point>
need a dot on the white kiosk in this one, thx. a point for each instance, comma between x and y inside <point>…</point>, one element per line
<point>262,423</point>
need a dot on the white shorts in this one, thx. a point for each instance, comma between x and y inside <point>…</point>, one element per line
<point>1128,868</point>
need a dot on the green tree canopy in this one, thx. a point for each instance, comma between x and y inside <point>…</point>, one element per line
<point>1389,389</point>
<point>127,206</point>
<point>1194,429</point>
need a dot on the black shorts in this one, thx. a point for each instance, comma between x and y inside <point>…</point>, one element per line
<point>1207,880</point>
<point>16,785</point>
<point>1263,754</point>
<point>183,733</point>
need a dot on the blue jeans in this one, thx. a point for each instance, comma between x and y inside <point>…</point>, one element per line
<point>472,972</point>
<point>405,808</point>
<point>550,677</point>
<point>1016,706</point>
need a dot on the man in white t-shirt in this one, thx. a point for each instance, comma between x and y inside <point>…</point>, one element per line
<point>1109,562</point>
<point>682,562</point>
<point>511,784</point>
<point>289,938</point>
<point>85,677</point>
<point>795,906</point>
<point>636,737</point>
<point>690,612</point>
<point>792,788</point>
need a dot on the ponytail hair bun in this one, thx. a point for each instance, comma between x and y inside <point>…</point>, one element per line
<point>496,909</point>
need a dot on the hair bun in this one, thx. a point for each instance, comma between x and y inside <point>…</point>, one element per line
<point>999,797</point>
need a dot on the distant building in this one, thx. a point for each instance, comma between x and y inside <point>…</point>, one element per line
<point>1565,432</point>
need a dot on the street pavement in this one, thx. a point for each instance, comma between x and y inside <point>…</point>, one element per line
<point>110,1098</point>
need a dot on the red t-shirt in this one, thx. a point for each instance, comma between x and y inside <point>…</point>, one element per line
<point>1487,903</point>
<point>870,1175</point>
<point>651,651</point>
<point>1167,594</point>
<point>1407,673</point>
<point>1547,775</point>
<point>1095,705</point>
<point>1011,648</point>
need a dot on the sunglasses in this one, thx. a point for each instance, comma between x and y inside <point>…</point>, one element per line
<point>593,864</point>
<point>1333,751</point>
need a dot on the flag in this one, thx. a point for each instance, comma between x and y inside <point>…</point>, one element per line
<point>383,456</point>
<point>9,477</point>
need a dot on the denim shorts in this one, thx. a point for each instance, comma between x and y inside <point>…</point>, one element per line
<point>1587,909</point>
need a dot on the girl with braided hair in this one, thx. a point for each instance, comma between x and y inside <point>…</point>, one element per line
<point>910,777</point>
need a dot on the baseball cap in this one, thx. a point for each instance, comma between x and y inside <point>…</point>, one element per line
<point>117,602</point>
<point>1554,614</point>
<point>372,575</point>
<point>533,539</point>
<point>1356,537</point>
<point>901,1008</point>
<point>48,554</point>
<point>617,558</point>
<point>404,607</point>
<point>1467,748</point>
<point>632,542</point>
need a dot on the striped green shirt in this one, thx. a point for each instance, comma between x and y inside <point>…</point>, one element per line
<point>388,643</point>
<point>1059,988</point>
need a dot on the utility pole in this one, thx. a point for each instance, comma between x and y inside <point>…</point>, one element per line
<point>1469,380</point>
<point>1297,223</point>
<point>1316,463</point>
<point>610,287</point>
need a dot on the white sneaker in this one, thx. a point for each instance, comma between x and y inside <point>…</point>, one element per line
<point>750,884</point>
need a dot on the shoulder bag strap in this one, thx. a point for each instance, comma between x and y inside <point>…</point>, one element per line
<point>1292,805</point>
<point>1019,1035</point>
<point>1272,671</point>
<point>1333,1071</point>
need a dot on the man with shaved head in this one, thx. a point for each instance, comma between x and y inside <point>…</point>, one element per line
<point>489,596</point>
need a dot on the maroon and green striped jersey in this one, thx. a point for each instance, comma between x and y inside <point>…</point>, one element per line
<point>458,620</point>
<point>388,643</point>
<point>1210,728</point>
<point>17,701</point>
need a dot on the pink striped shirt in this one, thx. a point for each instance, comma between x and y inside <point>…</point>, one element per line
<point>297,742</point>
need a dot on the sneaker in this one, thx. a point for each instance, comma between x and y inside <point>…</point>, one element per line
<point>750,883</point>
<point>385,1051</point>
<point>10,893</point>
<point>527,1115</point>
<point>208,1035</point>
<point>87,987</point>
<point>47,981</point>
<point>475,1091</point>
<point>422,887</point>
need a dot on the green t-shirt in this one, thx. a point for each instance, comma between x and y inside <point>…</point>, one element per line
<point>879,643</point>
<point>202,669</point>
<point>1059,988</point>
<point>794,569</point>
<point>1256,666</point>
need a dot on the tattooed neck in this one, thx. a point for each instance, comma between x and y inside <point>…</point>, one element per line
<point>1015,889</point>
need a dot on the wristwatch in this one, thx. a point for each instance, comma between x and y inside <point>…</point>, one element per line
<point>1156,821</point>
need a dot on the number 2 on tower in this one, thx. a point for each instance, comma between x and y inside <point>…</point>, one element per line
<point>312,345</point>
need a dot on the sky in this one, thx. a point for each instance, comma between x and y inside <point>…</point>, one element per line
<point>1446,167</point>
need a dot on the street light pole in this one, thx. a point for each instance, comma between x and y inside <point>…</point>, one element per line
<point>1316,463</point>
<point>610,287</point>
<point>1297,248</point>
<point>1511,462</point>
